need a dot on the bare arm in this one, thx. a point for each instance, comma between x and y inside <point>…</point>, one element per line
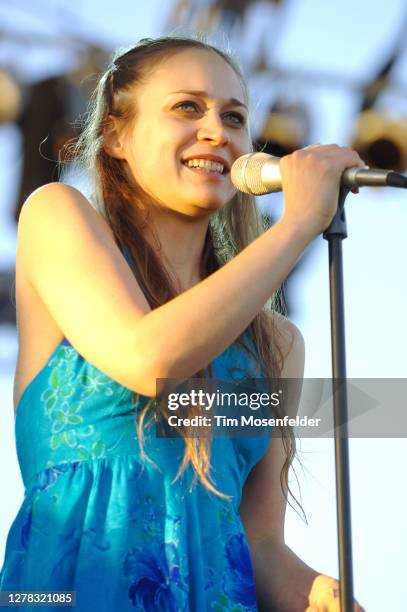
<point>284,583</point>
<point>69,256</point>
<point>71,259</point>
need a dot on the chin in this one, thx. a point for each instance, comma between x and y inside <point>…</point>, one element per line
<point>213,202</point>
<point>199,205</point>
<point>211,207</point>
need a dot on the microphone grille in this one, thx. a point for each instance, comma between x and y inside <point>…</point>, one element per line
<point>246,173</point>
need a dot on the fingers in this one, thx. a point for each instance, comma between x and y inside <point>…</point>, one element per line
<point>334,150</point>
<point>325,596</point>
<point>311,179</point>
<point>358,161</point>
<point>333,606</point>
<point>319,162</point>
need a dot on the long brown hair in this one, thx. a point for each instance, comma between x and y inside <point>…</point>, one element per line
<point>125,208</point>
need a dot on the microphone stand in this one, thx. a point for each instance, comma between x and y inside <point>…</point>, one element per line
<point>335,233</point>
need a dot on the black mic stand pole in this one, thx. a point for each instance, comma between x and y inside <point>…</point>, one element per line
<point>335,233</point>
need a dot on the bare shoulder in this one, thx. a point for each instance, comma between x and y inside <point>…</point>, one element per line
<point>291,343</point>
<point>57,217</point>
<point>68,255</point>
<point>52,191</point>
<point>54,198</point>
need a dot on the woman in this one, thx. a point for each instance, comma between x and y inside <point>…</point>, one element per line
<point>158,280</point>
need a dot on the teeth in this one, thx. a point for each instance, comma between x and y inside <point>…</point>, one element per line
<point>205,164</point>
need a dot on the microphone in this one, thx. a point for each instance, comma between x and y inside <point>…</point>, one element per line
<point>259,173</point>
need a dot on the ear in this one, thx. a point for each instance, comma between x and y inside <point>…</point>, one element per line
<point>113,138</point>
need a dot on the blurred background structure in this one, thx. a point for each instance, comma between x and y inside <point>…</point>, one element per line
<point>317,72</point>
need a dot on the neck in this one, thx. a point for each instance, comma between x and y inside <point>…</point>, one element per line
<point>179,242</point>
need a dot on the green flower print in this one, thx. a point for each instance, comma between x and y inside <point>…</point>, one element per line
<point>95,381</point>
<point>226,512</point>
<point>96,451</point>
<point>60,388</point>
<point>66,415</point>
<point>225,605</point>
<point>71,438</point>
<point>67,424</point>
<point>63,358</point>
<point>60,382</point>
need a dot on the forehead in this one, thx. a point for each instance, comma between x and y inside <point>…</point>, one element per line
<point>195,70</point>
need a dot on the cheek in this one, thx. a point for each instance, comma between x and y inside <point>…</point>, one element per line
<point>156,173</point>
<point>146,157</point>
<point>244,142</point>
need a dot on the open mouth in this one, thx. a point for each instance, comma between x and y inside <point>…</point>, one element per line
<point>206,165</point>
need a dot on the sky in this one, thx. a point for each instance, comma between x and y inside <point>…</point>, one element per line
<point>346,42</point>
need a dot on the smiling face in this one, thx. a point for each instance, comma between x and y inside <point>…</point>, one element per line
<point>190,125</point>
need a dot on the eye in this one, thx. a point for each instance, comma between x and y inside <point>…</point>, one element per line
<point>185,105</point>
<point>236,118</point>
<point>233,117</point>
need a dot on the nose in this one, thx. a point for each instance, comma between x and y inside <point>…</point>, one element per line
<point>212,129</point>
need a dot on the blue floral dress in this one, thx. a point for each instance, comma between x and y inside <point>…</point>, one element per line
<point>100,520</point>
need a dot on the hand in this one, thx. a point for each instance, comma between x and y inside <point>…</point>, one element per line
<point>324,596</point>
<point>311,180</point>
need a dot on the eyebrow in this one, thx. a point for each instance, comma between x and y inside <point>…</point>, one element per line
<point>204,94</point>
